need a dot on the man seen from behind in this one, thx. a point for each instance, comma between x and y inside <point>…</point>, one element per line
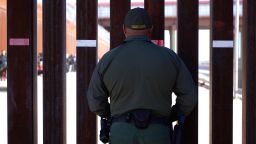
<point>139,77</point>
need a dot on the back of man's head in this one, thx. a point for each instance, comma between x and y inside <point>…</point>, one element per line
<point>137,22</point>
<point>137,19</point>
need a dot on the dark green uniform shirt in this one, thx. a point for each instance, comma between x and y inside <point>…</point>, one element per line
<point>139,74</point>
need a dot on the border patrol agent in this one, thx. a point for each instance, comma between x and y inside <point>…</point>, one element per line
<point>139,78</point>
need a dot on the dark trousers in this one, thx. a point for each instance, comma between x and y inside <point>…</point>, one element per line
<point>127,133</point>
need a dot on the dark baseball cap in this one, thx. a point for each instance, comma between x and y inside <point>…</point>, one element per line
<point>137,19</point>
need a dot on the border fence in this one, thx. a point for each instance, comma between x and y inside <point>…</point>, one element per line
<point>22,58</point>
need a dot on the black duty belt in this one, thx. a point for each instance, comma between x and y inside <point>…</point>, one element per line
<point>152,120</point>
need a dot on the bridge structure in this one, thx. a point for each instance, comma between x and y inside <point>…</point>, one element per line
<point>170,13</point>
<point>22,49</point>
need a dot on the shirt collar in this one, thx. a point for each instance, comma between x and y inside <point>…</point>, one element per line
<point>137,37</point>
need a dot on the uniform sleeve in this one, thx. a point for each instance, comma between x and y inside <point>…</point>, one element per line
<point>185,90</point>
<point>97,94</point>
